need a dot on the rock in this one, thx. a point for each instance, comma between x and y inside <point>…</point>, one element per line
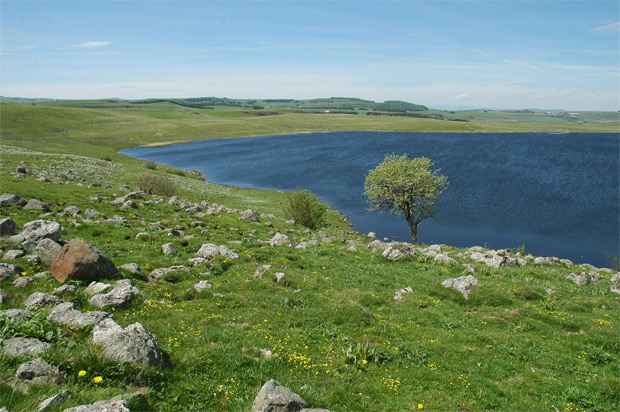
<point>615,288</point>
<point>250,215</point>
<point>11,255</point>
<point>8,227</point>
<point>8,270</point>
<point>65,314</point>
<point>22,282</point>
<point>546,260</point>
<point>398,297</point>
<point>169,249</point>
<point>314,410</point>
<point>80,260</point>
<point>372,235</point>
<point>469,268</point>
<point>53,401</point>
<point>280,239</point>
<point>42,229</point>
<point>40,299</point>
<point>615,278</point>
<point>38,370</point>
<point>440,258</point>
<point>131,268</point>
<point>109,405</point>
<point>4,297</point>
<point>274,397</point>
<point>158,274</point>
<point>202,285</point>
<point>132,344</point>
<point>72,210</point>
<point>260,271</point>
<point>477,249</point>
<point>17,315</point>
<point>24,346</point>
<point>209,251</point>
<point>48,251</point>
<point>65,290</point>
<point>8,199</point>
<point>377,245</point>
<point>582,278</point>
<point>119,297</point>
<point>463,284</point>
<point>42,275</point>
<point>280,277</point>
<point>37,204</point>
<point>399,250</point>
<point>92,214</point>
<point>98,287</point>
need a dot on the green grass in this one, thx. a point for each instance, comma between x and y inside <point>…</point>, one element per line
<point>336,335</point>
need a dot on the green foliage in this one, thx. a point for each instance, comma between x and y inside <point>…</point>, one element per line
<point>151,165</point>
<point>306,209</point>
<point>406,187</point>
<point>155,184</point>
<point>37,327</point>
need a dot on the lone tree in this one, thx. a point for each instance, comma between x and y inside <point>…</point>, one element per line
<point>406,187</point>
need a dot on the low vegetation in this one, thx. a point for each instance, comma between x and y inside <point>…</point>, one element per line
<point>527,338</point>
<point>306,209</point>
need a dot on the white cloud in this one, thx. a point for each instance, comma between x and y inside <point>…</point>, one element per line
<point>461,96</point>
<point>607,28</point>
<point>90,44</point>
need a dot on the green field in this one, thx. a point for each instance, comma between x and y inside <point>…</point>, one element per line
<point>333,331</point>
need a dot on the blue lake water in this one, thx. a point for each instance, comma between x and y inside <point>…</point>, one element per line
<point>557,194</point>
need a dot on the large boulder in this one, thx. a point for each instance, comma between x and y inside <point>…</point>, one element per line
<point>40,300</point>
<point>280,239</point>
<point>79,259</point>
<point>42,229</point>
<point>65,314</point>
<point>38,370</point>
<point>463,284</point>
<point>399,250</point>
<point>9,199</point>
<point>37,204</point>
<point>119,297</point>
<point>8,227</point>
<point>48,251</point>
<point>109,405</point>
<point>133,344</point>
<point>24,346</point>
<point>274,397</point>
<point>250,215</point>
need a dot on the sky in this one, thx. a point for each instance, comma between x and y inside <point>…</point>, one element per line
<point>519,54</point>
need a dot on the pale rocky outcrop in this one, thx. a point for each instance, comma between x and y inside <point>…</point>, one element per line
<point>399,250</point>
<point>210,251</point>
<point>582,278</point>
<point>463,284</point>
<point>132,344</point>
<point>274,397</point>
<point>42,229</point>
<point>24,346</point>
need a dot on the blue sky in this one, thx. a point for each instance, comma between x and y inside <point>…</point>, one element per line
<point>496,54</point>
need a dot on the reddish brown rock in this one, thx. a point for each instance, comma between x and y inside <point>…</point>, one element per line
<point>79,259</point>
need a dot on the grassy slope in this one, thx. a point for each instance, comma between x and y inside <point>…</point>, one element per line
<point>340,342</point>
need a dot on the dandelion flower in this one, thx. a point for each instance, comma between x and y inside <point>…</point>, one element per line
<point>82,373</point>
<point>97,379</point>
<point>420,406</point>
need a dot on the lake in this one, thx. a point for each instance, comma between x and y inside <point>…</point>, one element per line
<point>558,194</point>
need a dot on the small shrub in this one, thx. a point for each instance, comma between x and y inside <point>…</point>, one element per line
<point>305,209</point>
<point>177,172</point>
<point>106,158</point>
<point>151,165</point>
<point>153,184</point>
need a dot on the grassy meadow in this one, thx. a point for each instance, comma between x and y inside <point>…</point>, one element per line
<point>331,331</point>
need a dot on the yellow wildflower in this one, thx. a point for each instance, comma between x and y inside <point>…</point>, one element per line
<point>97,379</point>
<point>420,406</point>
<point>81,373</point>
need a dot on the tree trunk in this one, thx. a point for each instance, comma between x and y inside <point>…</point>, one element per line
<point>413,229</point>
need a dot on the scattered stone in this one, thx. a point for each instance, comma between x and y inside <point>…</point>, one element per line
<point>17,315</point>
<point>582,278</point>
<point>399,250</point>
<point>7,270</point>
<point>129,204</point>
<point>142,235</point>
<point>65,314</point>
<point>280,277</point>
<point>115,220</point>
<point>131,268</point>
<point>615,288</point>
<point>260,271</point>
<point>202,285</point>
<point>549,291</point>
<point>440,258</point>
<point>13,254</point>
<point>398,297</point>
<point>158,274</point>
<point>37,204</point>
<point>274,397</point>
<point>469,268</point>
<point>92,214</point>
<point>40,299</point>
<point>38,370</point>
<point>98,287</point>
<point>546,260</point>
<point>42,229</point>
<point>54,400</point>
<point>4,297</point>
<point>72,210</point>
<point>377,245</point>
<point>169,249</point>
<point>41,275</point>
<point>79,259</point>
<point>48,251</point>
<point>352,249</point>
<point>65,290</point>
<point>266,353</point>
<point>24,346</point>
<point>8,199</point>
<point>372,235</point>
<point>109,405</point>
<point>209,251</point>
<point>22,282</point>
<point>615,278</point>
<point>463,284</point>
<point>280,239</point>
<point>133,344</point>
<point>250,215</point>
<point>119,297</point>
<point>8,227</point>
